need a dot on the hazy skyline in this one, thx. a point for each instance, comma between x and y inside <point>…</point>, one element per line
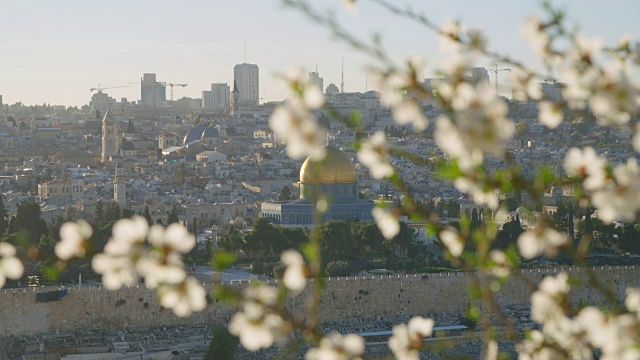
<point>55,52</point>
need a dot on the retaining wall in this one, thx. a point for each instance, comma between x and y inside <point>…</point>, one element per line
<point>344,298</point>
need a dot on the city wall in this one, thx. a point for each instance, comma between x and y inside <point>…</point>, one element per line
<point>370,297</point>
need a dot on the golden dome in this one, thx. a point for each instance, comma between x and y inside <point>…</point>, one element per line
<point>336,168</point>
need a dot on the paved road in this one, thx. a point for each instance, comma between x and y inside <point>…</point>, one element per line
<point>206,274</point>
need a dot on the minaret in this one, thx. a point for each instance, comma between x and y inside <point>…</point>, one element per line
<point>119,193</point>
<point>109,136</point>
<point>235,96</point>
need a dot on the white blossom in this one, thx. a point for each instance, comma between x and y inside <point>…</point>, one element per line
<point>479,125</point>
<point>476,40</point>
<point>585,49</point>
<point>619,198</point>
<point>256,325</point>
<point>409,111</point>
<point>374,154</point>
<point>533,32</point>
<point>632,300</point>
<point>335,346</point>
<point>10,266</point>
<point>541,240</point>
<point>116,270</point>
<point>256,328</point>
<point>405,107</point>
<point>73,237</point>
<point>118,262</point>
<point>588,165</point>
<point>525,84</point>
<point>546,301</point>
<point>294,122</point>
<point>636,53</point>
<point>183,298</point>
<point>492,351</point>
<point>614,98</point>
<point>387,222</point>
<point>636,139</point>
<point>550,114</point>
<point>294,275</point>
<point>450,35</point>
<point>452,240</point>
<point>164,263</point>
<point>479,194</point>
<point>502,265</point>
<point>406,340</point>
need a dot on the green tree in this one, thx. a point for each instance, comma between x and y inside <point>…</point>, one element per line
<point>29,221</point>
<point>98,217</point>
<point>111,212</point>
<point>522,129</point>
<point>263,237</point>
<point>335,237</point>
<point>130,127</point>
<point>223,345</point>
<point>70,213</point>
<point>231,241</point>
<point>173,215</point>
<point>285,194</point>
<point>4,217</point>
<point>367,238</point>
<point>293,238</point>
<point>508,234</point>
<point>629,239</point>
<point>147,215</point>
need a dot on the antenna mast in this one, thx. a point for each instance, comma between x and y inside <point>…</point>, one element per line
<point>366,80</point>
<point>342,82</point>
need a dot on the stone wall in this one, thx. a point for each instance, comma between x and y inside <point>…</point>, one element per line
<point>344,298</point>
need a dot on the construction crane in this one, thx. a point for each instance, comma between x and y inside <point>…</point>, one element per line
<point>100,88</point>
<point>496,71</point>
<point>172,85</point>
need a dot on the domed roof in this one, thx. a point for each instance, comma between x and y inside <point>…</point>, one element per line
<point>128,145</point>
<point>194,134</point>
<point>336,168</point>
<point>210,132</point>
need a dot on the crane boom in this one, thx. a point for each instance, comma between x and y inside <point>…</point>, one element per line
<point>496,70</point>
<point>100,88</point>
<point>172,85</point>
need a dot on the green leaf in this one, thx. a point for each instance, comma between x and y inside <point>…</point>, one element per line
<point>51,272</point>
<point>222,260</point>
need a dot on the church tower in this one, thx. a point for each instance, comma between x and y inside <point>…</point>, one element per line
<point>109,136</point>
<point>235,96</point>
<point>119,192</point>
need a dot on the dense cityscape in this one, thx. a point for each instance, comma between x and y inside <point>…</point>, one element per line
<point>214,165</point>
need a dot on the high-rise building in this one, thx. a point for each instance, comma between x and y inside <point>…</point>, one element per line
<point>218,98</point>
<point>152,93</point>
<point>110,144</point>
<point>100,102</point>
<point>315,79</point>
<point>552,91</point>
<point>479,75</point>
<point>247,78</point>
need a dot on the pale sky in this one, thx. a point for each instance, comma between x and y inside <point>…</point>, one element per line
<point>55,51</point>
